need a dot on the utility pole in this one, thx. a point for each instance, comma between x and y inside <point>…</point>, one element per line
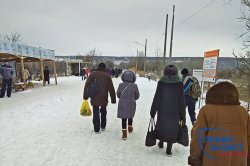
<point>165,41</point>
<point>145,57</point>
<point>172,32</point>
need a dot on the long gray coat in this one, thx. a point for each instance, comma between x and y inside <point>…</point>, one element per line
<point>128,96</point>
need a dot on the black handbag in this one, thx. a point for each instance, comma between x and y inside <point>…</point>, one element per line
<point>151,134</point>
<point>93,87</point>
<point>182,137</point>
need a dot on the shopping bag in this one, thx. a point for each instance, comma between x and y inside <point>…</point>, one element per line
<point>151,134</point>
<point>182,137</point>
<point>85,109</point>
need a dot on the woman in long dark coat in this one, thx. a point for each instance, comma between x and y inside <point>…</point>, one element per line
<point>169,105</point>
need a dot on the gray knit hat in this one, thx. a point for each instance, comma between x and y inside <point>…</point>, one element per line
<point>170,70</point>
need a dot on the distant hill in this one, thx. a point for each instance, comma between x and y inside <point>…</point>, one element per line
<point>223,62</point>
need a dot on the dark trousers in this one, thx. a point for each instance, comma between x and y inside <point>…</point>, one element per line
<point>6,83</point>
<point>83,76</point>
<point>124,123</point>
<point>97,110</point>
<point>190,103</point>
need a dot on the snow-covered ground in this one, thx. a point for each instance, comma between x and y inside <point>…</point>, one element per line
<point>42,126</point>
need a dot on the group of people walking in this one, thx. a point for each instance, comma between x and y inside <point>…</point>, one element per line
<point>172,96</point>
<point>127,92</point>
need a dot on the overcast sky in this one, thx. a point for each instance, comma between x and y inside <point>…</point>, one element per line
<point>113,26</point>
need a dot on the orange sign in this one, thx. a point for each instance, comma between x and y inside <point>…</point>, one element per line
<point>210,65</point>
<point>214,53</point>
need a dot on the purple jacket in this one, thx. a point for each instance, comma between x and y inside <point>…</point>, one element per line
<point>127,93</point>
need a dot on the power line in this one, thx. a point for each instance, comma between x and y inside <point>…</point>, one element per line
<point>184,21</point>
<point>204,7</point>
<point>178,25</point>
<point>156,41</point>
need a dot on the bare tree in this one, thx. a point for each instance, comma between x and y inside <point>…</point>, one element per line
<point>13,37</point>
<point>124,65</point>
<point>140,61</point>
<point>245,18</point>
<point>109,64</point>
<point>243,59</point>
<point>91,55</point>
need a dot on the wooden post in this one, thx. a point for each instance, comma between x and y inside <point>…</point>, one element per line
<point>145,63</point>
<point>172,32</point>
<point>42,73</point>
<point>67,67</point>
<point>55,72</point>
<point>165,41</point>
<point>22,68</point>
<point>79,68</point>
<point>136,62</point>
<point>15,81</point>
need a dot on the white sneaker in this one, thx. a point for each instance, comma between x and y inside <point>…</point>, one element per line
<point>103,129</point>
<point>97,132</point>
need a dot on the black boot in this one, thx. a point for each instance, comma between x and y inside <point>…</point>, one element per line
<point>160,144</point>
<point>169,149</point>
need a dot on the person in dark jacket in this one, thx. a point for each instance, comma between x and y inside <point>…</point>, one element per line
<point>100,101</point>
<point>127,93</point>
<point>46,74</point>
<point>169,104</point>
<point>116,72</point>
<point>113,72</point>
<point>190,101</point>
<point>83,73</point>
<point>7,72</point>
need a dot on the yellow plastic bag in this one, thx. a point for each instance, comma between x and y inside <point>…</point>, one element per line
<point>85,109</point>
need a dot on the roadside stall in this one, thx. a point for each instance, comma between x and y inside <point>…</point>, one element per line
<point>16,53</point>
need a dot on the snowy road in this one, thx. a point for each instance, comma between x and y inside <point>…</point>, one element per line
<point>42,127</point>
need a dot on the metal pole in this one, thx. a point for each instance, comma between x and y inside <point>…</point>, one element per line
<point>202,92</point>
<point>201,97</point>
<point>172,32</point>
<point>165,41</point>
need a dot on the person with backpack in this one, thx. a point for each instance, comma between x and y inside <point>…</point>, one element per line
<point>100,100</point>
<point>192,92</point>
<point>127,93</point>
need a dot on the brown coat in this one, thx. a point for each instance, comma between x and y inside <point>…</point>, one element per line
<point>106,85</point>
<point>223,113</point>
